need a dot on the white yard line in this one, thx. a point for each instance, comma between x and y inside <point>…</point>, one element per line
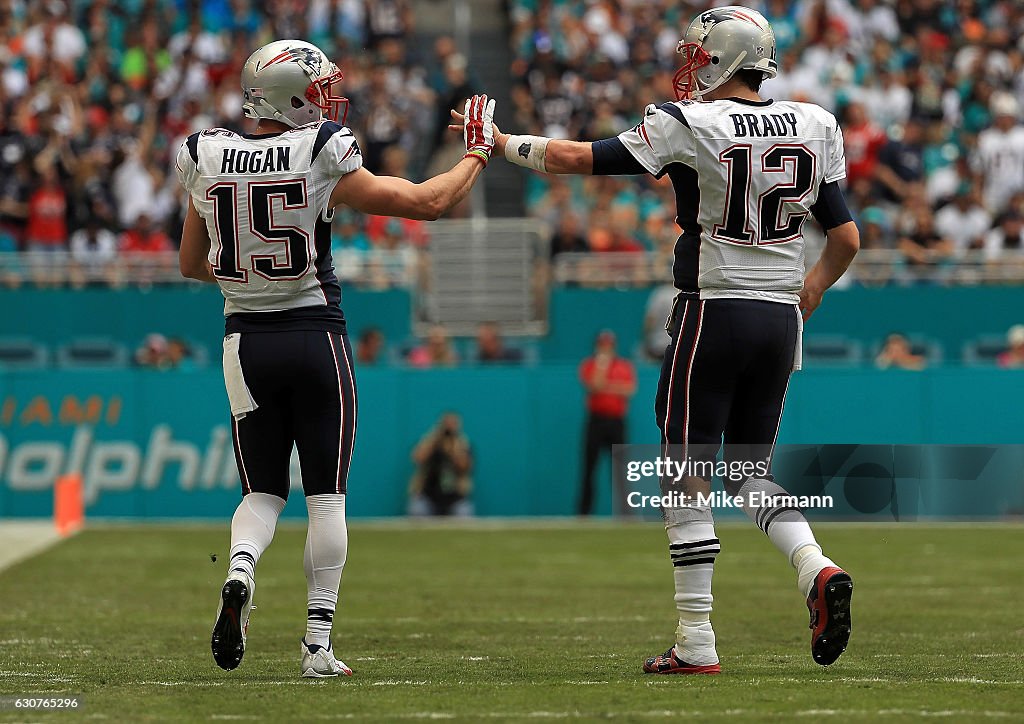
<point>531,523</point>
<point>21,539</point>
<point>953,714</point>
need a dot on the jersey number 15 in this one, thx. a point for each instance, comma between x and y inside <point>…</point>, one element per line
<point>262,227</point>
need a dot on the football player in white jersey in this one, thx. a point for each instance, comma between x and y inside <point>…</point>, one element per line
<point>258,225</point>
<point>747,174</point>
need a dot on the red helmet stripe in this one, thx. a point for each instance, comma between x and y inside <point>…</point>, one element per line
<point>744,16</point>
<point>280,58</point>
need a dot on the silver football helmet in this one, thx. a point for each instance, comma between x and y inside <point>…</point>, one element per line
<point>293,82</point>
<point>720,42</point>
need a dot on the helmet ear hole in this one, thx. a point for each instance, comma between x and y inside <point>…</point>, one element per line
<point>714,60</point>
<point>297,103</point>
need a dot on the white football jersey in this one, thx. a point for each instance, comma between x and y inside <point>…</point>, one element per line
<point>1000,156</point>
<point>746,174</point>
<point>265,203</point>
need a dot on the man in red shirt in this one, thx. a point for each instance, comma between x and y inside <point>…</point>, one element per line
<point>47,230</point>
<point>147,251</point>
<point>863,141</point>
<point>610,381</point>
<point>145,238</point>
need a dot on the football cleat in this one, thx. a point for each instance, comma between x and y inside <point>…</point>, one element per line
<point>228,640</point>
<point>669,663</point>
<point>318,662</point>
<point>829,604</point>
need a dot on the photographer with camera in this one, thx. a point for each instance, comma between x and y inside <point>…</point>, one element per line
<point>444,459</point>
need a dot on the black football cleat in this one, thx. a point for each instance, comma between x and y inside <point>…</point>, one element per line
<point>228,639</point>
<point>829,604</point>
<point>669,663</point>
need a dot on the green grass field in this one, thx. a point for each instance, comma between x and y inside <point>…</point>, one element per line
<point>516,623</point>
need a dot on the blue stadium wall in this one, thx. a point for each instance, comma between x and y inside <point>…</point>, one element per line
<point>156,444</point>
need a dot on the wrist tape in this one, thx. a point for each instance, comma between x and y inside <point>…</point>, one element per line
<point>527,151</point>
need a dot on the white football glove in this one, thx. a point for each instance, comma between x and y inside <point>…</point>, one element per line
<point>478,128</point>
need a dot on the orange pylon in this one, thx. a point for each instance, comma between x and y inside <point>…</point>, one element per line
<point>68,504</point>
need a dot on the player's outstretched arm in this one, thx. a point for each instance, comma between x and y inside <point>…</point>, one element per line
<point>842,244</point>
<point>391,196</point>
<point>193,256</point>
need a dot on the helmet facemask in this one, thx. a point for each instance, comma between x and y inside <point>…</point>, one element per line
<point>685,81</point>
<point>325,94</point>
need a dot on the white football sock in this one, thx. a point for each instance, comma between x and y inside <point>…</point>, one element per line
<point>786,527</point>
<point>693,548</point>
<point>809,562</point>
<point>252,530</point>
<point>324,561</point>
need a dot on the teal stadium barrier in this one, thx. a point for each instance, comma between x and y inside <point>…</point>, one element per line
<point>156,444</point>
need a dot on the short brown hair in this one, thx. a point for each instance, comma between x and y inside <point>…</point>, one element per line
<point>751,78</point>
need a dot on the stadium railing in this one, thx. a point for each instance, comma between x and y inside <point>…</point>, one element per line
<point>872,267</point>
<point>375,268</point>
<point>410,267</point>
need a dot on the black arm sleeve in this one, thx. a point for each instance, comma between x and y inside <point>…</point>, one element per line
<point>830,209</point>
<point>611,158</point>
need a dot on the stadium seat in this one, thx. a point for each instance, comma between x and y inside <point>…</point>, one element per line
<point>832,351</point>
<point>21,353</point>
<point>92,352</point>
<point>983,351</point>
<point>198,353</point>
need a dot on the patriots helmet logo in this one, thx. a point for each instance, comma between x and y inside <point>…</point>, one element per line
<point>307,58</point>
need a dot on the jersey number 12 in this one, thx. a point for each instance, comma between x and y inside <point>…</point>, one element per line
<point>796,161</point>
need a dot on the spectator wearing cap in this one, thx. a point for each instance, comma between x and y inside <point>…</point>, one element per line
<point>1013,357</point>
<point>154,352</point>
<point>1000,154</point>
<point>610,382</point>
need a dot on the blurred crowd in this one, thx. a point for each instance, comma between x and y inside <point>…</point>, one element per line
<point>97,95</point>
<point>929,95</point>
